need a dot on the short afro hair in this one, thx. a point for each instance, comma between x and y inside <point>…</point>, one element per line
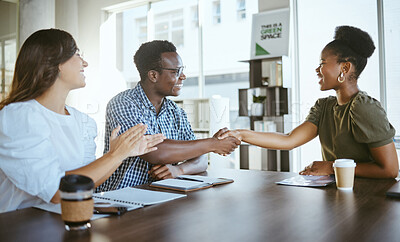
<point>148,56</point>
<point>352,45</point>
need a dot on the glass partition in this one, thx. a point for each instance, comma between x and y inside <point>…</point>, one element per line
<point>391,13</point>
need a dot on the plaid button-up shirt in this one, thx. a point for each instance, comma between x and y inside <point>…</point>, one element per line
<point>132,107</point>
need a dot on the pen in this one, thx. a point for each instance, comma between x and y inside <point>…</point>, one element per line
<point>189,179</point>
<point>102,203</point>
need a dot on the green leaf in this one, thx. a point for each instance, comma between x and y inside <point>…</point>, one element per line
<point>259,99</point>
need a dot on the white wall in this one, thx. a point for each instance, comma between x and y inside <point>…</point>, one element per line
<point>66,16</point>
<point>35,15</point>
<point>265,5</point>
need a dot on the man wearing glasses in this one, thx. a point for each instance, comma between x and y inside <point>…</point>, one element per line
<point>161,73</point>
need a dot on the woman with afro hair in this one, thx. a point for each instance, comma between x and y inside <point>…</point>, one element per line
<point>349,125</point>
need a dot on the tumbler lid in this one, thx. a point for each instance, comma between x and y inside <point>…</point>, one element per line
<point>74,183</point>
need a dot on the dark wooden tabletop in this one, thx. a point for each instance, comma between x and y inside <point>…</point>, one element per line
<point>253,208</point>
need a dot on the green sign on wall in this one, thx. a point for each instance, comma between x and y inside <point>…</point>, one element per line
<point>270,34</point>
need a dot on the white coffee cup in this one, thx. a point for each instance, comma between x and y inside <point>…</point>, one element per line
<point>344,173</point>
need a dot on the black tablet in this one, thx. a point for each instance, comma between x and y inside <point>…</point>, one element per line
<point>394,191</point>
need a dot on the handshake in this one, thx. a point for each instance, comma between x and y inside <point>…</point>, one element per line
<point>225,141</point>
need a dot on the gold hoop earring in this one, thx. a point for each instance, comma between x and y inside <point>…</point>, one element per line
<point>341,78</point>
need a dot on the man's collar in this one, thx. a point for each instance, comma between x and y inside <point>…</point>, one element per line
<point>145,100</point>
<point>143,97</point>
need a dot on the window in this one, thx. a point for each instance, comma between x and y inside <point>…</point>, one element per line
<point>195,16</point>
<point>177,21</point>
<point>8,57</point>
<point>177,36</point>
<point>216,12</point>
<point>141,25</point>
<point>8,44</point>
<point>241,9</point>
<point>391,10</point>
<point>169,26</point>
<point>2,76</point>
<point>161,27</point>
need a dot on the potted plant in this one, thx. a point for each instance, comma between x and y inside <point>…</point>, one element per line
<point>257,107</point>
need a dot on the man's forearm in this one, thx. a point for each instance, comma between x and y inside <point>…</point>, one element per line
<point>172,151</point>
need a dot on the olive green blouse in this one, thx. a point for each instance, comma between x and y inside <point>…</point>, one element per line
<point>349,130</point>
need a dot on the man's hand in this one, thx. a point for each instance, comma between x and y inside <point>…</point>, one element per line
<point>318,168</point>
<point>224,146</point>
<point>160,172</point>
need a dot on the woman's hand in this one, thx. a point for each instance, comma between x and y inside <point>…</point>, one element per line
<point>224,133</point>
<point>133,142</point>
<point>318,168</point>
<point>146,144</point>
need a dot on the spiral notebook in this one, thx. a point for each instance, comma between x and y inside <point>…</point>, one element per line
<point>135,196</point>
<point>132,198</point>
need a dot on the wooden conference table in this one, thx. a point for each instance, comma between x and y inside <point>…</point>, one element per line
<point>253,208</point>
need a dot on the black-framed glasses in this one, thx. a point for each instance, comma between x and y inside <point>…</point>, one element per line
<point>178,71</point>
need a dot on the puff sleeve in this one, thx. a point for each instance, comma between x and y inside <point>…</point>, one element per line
<point>27,157</point>
<point>369,122</point>
<point>314,116</point>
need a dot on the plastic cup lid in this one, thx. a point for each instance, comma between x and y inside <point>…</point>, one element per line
<point>344,163</point>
